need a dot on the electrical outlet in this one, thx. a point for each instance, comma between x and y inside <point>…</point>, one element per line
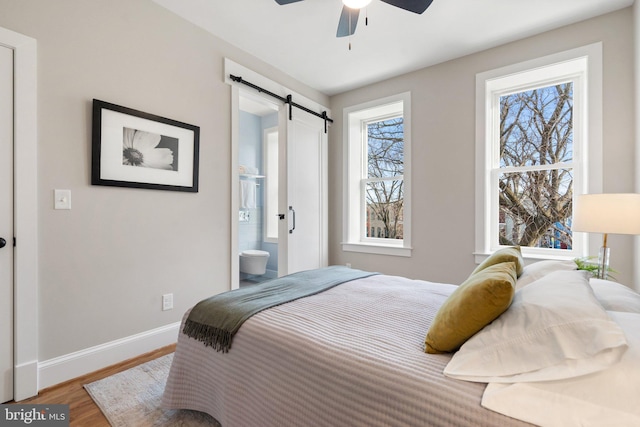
<point>167,302</point>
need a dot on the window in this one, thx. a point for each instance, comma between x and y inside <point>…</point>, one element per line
<point>538,142</point>
<point>377,206</point>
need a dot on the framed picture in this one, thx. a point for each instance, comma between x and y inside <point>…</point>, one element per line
<point>136,149</point>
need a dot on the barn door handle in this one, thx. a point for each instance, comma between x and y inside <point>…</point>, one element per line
<point>294,219</point>
<point>3,243</point>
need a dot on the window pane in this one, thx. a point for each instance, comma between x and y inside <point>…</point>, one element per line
<point>384,209</point>
<point>536,126</point>
<point>385,148</point>
<point>535,208</point>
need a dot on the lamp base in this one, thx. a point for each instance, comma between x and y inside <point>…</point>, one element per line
<point>603,263</point>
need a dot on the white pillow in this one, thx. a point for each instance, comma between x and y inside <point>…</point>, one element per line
<point>537,270</point>
<point>615,297</point>
<point>605,398</point>
<point>554,329</point>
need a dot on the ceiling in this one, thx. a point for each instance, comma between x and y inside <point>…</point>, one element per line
<point>300,40</point>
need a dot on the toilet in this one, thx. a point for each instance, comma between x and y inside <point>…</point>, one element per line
<point>254,261</point>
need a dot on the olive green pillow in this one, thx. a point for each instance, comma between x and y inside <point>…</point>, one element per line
<point>508,254</point>
<point>478,301</point>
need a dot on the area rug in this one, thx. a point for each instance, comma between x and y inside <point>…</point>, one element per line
<point>132,398</point>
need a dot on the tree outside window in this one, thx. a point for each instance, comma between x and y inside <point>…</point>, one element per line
<point>535,176</point>
<point>384,184</point>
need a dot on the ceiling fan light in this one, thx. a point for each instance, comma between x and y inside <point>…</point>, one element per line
<point>356,4</point>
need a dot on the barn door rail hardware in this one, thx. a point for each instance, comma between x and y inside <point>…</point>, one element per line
<point>287,100</point>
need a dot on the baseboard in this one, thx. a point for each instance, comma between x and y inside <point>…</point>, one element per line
<point>25,380</point>
<point>60,369</point>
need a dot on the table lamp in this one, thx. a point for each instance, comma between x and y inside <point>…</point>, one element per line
<point>608,214</point>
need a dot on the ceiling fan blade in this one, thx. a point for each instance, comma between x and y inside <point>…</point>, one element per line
<point>415,6</point>
<point>348,22</point>
<point>281,2</point>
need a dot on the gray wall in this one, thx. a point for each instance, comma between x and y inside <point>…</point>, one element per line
<point>443,148</point>
<point>104,265</point>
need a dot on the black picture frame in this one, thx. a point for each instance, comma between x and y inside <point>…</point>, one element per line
<point>131,148</point>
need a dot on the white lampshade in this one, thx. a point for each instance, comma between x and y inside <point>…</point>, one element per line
<point>356,4</point>
<point>607,213</point>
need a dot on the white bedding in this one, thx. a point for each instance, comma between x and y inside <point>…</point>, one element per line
<point>610,396</point>
<point>350,356</point>
<point>606,398</point>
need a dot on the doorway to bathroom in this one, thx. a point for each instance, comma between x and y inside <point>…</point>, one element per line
<point>258,190</point>
<point>279,218</point>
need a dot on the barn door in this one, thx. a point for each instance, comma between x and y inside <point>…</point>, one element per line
<point>303,179</point>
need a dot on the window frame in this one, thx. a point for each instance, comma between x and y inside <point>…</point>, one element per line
<point>355,119</point>
<point>583,67</point>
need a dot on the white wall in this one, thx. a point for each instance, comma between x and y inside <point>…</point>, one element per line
<point>443,148</point>
<point>104,265</point>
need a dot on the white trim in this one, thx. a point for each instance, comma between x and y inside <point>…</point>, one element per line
<point>60,369</point>
<point>377,249</point>
<point>25,212</point>
<point>528,259</point>
<point>235,184</point>
<point>486,83</point>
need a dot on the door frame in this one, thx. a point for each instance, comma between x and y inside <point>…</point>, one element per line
<point>25,346</point>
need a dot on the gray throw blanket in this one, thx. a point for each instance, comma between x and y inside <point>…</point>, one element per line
<point>215,320</point>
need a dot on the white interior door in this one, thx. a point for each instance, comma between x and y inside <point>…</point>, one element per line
<point>304,182</point>
<point>6,224</point>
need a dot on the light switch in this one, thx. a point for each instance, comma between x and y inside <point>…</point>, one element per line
<point>62,199</point>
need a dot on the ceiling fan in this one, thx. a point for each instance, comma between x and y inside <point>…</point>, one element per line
<point>351,10</point>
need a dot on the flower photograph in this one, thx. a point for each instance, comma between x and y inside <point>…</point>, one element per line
<point>149,150</point>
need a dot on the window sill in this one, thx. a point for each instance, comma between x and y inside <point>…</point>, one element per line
<point>528,258</point>
<point>370,248</point>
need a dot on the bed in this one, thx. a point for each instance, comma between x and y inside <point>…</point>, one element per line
<point>354,355</point>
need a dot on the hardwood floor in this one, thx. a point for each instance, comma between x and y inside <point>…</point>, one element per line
<point>82,410</point>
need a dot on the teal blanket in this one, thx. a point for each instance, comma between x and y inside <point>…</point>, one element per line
<point>215,320</point>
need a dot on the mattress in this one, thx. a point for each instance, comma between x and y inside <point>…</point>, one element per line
<point>349,356</point>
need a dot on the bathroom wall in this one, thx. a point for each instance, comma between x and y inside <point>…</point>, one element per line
<point>250,153</point>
